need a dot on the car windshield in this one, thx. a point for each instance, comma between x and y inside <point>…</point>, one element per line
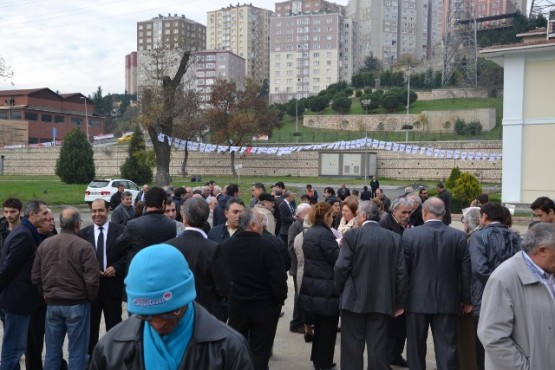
<point>99,184</point>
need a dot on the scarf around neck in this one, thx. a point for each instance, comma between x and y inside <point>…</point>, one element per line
<point>165,352</point>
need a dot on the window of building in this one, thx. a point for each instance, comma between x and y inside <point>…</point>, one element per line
<point>46,117</point>
<point>94,123</point>
<point>31,116</point>
<point>59,119</point>
<point>210,65</point>
<point>76,121</point>
<point>277,81</point>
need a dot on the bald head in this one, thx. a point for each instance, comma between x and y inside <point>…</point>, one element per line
<point>70,219</point>
<point>433,209</point>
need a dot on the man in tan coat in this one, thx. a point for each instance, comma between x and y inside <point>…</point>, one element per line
<point>517,320</point>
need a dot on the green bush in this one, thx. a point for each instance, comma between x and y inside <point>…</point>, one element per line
<point>467,188</point>
<point>468,129</point>
<point>138,165</point>
<point>75,165</point>
<point>349,91</point>
<point>390,102</point>
<point>358,93</point>
<point>292,110</point>
<point>318,103</point>
<point>341,105</point>
<point>453,177</point>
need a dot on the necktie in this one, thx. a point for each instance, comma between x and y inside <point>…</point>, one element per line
<point>100,248</point>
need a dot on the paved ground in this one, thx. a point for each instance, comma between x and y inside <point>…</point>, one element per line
<point>290,350</point>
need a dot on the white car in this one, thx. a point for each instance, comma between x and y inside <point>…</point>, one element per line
<point>105,188</point>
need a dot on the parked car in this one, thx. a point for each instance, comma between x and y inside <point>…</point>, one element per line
<point>105,188</point>
<point>125,138</point>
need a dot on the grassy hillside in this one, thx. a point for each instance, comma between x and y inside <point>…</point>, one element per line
<point>309,135</point>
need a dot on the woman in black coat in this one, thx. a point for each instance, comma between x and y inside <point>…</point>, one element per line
<point>317,294</point>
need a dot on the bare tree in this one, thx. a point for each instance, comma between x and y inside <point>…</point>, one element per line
<point>236,116</point>
<point>189,125</point>
<point>161,103</point>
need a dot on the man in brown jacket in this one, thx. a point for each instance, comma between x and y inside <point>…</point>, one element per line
<point>66,273</point>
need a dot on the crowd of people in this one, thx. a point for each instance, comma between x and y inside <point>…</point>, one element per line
<point>205,279</point>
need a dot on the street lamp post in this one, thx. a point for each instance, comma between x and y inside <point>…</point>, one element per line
<point>366,103</point>
<point>296,120</point>
<point>408,106</point>
<point>86,117</point>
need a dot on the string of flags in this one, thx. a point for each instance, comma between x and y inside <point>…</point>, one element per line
<point>357,144</point>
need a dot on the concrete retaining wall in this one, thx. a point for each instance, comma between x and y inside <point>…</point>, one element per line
<point>394,165</point>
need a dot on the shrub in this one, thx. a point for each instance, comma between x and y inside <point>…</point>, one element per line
<point>468,129</point>
<point>349,91</point>
<point>341,105</point>
<point>318,103</point>
<point>390,102</point>
<point>75,165</point>
<point>138,165</point>
<point>453,177</point>
<point>358,93</point>
<point>299,109</point>
<point>467,187</point>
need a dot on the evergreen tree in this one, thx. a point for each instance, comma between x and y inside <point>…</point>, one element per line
<point>75,165</point>
<point>138,165</point>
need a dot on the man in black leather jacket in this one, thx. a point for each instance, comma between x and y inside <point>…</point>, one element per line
<point>167,328</point>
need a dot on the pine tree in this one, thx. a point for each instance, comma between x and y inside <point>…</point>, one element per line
<point>75,165</point>
<point>138,165</point>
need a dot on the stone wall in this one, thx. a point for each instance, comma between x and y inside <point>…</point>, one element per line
<point>394,165</point>
<point>459,93</point>
<point>395,122</point>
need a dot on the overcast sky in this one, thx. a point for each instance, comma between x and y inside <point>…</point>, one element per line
<point>76,46</point>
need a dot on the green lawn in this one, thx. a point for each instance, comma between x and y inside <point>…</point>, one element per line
<point>310,135</point>
<point>54,192</point>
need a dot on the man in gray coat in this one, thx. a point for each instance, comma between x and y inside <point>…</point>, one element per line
<point>518,306</point>
<point>371,277</point>
<point>439,285</point>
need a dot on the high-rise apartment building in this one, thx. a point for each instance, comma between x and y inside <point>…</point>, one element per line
<point>161,42</point>
<point>310,48</point>
<point>212,64</point>
<point>391,29</point>
<point>244,30</point>
<point>131,73</point>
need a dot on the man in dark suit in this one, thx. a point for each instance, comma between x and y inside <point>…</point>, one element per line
<point>259,285</point>
<point>18,297</point>
<point>103,235</point>
<point>152,228</point>
<point>141,195</point>
<point>445,196</point>
<point>287,214</point>
<point>371,278</point>
<point>204,257</point>
<point>439,282</point>
<point>220,233</point>
<point>397,220</point>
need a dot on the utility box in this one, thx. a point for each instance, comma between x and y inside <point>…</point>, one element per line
<point>352,164</point>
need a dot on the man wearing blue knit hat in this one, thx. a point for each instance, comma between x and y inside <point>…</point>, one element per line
<point>168,330</point>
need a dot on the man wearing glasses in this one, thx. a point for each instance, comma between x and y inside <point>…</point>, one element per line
<point>168,330</point>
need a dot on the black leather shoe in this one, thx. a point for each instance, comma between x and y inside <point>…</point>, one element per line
<point>308,337</point>
<point>400,361</point>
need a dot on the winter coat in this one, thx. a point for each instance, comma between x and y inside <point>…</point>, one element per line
<point>317,293</point>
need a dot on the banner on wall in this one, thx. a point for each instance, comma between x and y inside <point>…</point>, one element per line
<point>363,143</point>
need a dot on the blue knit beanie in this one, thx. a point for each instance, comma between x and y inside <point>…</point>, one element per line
<point>159,281</point>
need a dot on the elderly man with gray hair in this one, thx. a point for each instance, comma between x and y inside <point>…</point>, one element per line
<point>439,286</point>
<point>371,277</point>
<point>518,306</point>
<point>68,291</point>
